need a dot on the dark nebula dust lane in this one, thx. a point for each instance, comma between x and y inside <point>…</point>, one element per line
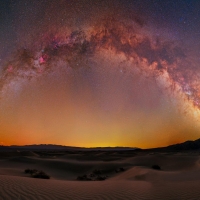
<point>98,69</point>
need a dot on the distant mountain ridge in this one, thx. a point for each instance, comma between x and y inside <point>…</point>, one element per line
<point>52,147</point>
<point>187,145</point>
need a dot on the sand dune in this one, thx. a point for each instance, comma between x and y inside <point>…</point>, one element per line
<point>27,188</point>
<point>178,179</point>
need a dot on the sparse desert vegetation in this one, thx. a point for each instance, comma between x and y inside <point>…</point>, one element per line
<point>92,177</point>
<point>156,167</point>
<point>121,169</point>
<point>97,175</point>
<point>37,173</point>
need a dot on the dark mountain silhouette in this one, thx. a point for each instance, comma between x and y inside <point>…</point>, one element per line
<point>53,147</point>
<point>185,146</point>
<point>188,145</point>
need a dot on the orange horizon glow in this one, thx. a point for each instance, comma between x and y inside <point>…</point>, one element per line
<point>142,146</point>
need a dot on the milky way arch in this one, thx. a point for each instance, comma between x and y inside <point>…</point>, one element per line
<point>121,36</point>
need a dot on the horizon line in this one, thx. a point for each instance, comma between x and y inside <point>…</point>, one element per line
<point>15,145</point>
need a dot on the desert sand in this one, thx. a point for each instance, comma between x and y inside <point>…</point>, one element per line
<point>129,175</point>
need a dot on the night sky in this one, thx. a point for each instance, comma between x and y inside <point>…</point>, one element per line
<point>99,73</point>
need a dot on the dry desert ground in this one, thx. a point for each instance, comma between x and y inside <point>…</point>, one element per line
<point>80,175</point>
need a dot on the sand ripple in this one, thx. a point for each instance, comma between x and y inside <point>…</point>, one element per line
<point>22,188</point>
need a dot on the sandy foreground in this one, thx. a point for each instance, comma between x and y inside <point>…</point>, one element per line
<point>178,179</point>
